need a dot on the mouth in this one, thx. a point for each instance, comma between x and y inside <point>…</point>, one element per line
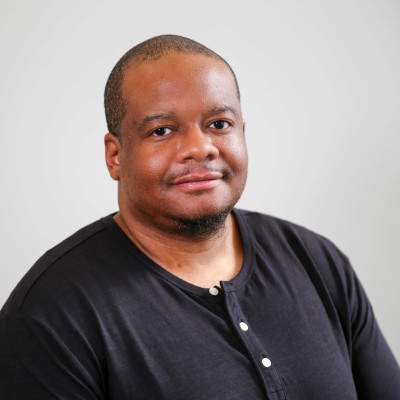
<point>198,181</point>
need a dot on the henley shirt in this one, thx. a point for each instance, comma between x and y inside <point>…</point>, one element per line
<point>95,318</point>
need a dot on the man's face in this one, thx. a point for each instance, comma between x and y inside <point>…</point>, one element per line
<point>183,153</point>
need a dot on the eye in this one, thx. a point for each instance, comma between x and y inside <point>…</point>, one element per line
<point>220,124</point>
<point>161,131</point>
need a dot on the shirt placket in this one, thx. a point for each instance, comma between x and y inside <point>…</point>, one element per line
<point>256,351</point>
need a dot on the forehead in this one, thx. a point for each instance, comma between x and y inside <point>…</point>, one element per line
<point>178,81</point>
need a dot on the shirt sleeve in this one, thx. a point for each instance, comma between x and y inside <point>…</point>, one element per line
<point>36,364</point>
<point>375,370</point>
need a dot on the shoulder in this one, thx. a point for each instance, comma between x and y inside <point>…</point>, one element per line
<point>60,266</point>
<point>286,233</point>
<point>328,270</point>
<point>321,259</point>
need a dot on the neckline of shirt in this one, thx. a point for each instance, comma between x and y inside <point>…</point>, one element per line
<point>228,286</point>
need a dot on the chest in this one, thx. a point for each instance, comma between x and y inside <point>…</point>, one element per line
<point>271,340</point>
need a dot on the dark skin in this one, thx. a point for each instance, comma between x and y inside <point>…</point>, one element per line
<point>182,155</point>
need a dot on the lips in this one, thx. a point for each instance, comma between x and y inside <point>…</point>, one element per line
<point>198,181</point>
<point>208,176</point>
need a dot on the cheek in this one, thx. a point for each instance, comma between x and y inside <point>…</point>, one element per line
<point>157,163</point>
<point>133,168</point>
<point>146,167</point>
<point>236,154</point>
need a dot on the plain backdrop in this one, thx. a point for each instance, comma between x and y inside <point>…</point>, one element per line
<point>320,83</point>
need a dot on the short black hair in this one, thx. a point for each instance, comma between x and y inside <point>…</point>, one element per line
<point>149,50</point>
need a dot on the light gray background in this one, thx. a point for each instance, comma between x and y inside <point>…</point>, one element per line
<point>320,83</point>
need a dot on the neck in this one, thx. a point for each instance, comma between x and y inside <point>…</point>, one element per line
<point>203,260</point>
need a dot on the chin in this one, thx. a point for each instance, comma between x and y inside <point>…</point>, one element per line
<point>202,225</point>
<point>200,220</point>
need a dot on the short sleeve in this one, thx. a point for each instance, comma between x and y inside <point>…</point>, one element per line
<point>36,364</point>
<point>375,370</point>
<point>376,373</point>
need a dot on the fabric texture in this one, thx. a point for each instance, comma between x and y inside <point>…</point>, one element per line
<point>95,318</point>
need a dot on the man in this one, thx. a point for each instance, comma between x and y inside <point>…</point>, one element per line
<point>179,295</point>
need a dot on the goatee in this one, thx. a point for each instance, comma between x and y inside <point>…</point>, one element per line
<point>203,226</point>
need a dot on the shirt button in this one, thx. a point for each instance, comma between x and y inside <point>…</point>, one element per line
<point>266,362</point>
<point>213,290</point>
<point>244,326</point>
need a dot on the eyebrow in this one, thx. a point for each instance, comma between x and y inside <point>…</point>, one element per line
<point>153,117</point>
<point>223,109</point>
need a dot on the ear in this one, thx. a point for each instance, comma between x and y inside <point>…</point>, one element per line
<point>113,151</point>
<point>244,128</point>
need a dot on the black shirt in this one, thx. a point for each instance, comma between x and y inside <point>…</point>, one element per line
<point>96,319</point>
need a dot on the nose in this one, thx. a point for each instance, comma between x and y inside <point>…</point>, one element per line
<point>196,144</point>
